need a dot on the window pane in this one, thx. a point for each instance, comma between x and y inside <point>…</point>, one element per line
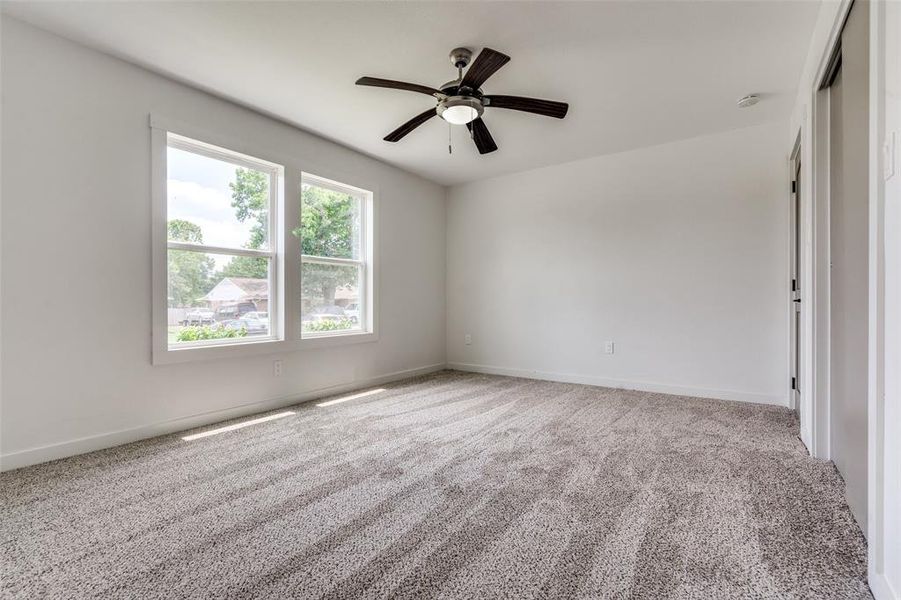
<point>216,203</point>
<point>330,298</point>
<point>330,223</point>
<point>217,296</point>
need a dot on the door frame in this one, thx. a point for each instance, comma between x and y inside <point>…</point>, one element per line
<point>884,447</point>
<point>811,141</point>
<point>816,344</point>
<point>795,287</point>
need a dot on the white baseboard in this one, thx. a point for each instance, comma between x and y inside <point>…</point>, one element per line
<point>642,386</point>
<point>881,588</point>
<point>32,456</point>
<point>805,438</point>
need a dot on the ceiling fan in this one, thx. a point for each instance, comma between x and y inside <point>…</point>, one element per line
<point>461,101</point>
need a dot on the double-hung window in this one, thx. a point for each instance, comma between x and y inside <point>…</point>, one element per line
<point>221,239</point>
<point>336,251</point>
<point>237,270</point>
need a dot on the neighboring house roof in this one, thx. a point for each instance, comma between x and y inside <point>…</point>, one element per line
<point>236,289</point>
<point>255,288</point>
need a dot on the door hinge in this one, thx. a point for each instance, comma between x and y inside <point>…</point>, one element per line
<point>794,384</point>
<point>794,285</point>
<point>794,187</point>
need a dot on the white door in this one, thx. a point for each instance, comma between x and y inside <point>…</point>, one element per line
<point>849,259</point>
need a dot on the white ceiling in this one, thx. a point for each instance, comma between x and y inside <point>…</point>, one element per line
<point>635,73</point>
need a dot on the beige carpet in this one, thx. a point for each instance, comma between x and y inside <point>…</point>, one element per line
<point>448,486</point>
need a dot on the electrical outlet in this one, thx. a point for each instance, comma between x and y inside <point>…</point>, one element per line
<point>276,368</point>
<point>608,348</point>
<point>467,339</point>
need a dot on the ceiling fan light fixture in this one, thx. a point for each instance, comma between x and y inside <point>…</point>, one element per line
<point>462,102</point>
<point>460,110</point>
<point>459,115</point>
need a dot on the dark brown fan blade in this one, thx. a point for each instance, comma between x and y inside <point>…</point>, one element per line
<point>484,66</point>
<point>548,108</point>
<point>410,125</point>
<point>398,85</point>
<point>481,136</point>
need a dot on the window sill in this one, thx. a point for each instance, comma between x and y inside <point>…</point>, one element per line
<point>167,356</point>
<point>188,354</point>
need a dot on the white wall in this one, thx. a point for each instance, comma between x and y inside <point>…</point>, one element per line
<point>76,296</point>
<point>678,253</point>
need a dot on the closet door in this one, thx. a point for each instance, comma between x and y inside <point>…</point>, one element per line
<point>849,215</point>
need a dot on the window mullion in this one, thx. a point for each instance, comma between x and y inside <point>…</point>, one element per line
<point>250,252</point>
<point>328,260</point>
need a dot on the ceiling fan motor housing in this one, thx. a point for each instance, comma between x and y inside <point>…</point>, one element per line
<point>462,109</point>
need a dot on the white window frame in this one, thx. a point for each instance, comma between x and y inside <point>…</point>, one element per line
<point>366,262</point>
<point>164,136</point>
